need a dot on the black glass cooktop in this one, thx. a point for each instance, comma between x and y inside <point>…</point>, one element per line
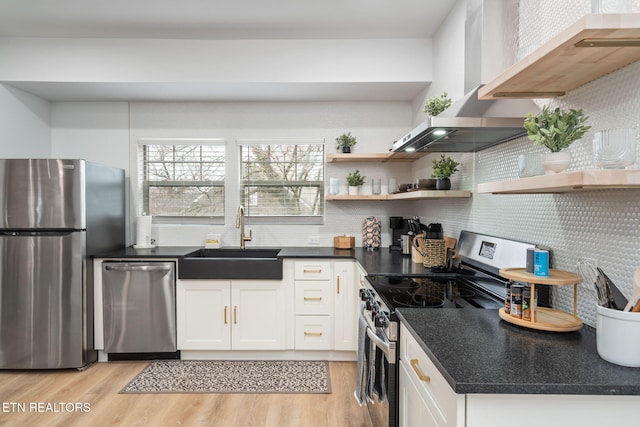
<point>399,292</point>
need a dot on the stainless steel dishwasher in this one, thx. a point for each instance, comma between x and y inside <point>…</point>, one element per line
<point>139,302</point>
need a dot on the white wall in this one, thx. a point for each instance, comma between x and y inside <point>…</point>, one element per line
<point>376,126</point>
<point>24,125</point>
<point>94,131</point>
<point>601,225</point>
<point>215,61</point>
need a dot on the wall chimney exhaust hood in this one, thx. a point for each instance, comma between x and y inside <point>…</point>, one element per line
<point>470,124</point>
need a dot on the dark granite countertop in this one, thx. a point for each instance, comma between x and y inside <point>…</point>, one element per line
<point>477,352</point>
<point>180,251</point>
<point>380,262</point>
<point>157,252</point>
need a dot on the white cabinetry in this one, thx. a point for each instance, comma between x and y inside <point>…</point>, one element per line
<point>326,310</point>
<point>203,314</point>
<point>345,319</point>
<point>313,304</point>
<point>426,399</point>
<point>224,315</point>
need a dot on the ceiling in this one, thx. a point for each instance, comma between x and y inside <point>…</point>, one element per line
<point>224,20</point>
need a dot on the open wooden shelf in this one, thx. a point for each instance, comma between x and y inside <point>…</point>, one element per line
<point>358,197</point>
<point>566,182</point>
<point>373,157</point>
<point>593,46</point>
<point>409,195</point>
<point>545,319</point>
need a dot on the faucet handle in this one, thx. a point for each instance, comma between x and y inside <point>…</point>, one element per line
<point>249,237</point>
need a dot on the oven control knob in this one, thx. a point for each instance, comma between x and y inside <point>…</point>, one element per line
<point>374,316</point>
<point>382,321</point>
<point>368,304</point>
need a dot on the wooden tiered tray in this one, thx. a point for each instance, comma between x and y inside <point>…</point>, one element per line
<point>545,319</point>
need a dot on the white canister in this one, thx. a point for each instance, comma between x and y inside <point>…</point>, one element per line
<point>334,186</point>
<point>618,336</point>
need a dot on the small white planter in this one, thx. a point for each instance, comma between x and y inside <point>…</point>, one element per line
<point>556,162</point>
<point>354,190</point>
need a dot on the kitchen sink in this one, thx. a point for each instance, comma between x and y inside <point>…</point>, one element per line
<point>231,263</point>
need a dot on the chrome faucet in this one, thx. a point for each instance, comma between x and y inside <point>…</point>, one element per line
<point>240,224</point>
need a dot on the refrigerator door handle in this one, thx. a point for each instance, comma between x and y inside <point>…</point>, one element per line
<point>137,268</point>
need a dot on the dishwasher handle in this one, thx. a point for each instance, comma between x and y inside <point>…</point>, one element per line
<point>130,267</point>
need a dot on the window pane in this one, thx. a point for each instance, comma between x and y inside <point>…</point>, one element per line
<point>183,180</point>
<point>283,179</point>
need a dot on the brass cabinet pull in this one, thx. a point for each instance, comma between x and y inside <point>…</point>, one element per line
<point>313,298</point>
<point>315,334</point>
<point>338,278</point>
<point>414,365</point>
<point>319,270</point>
<point>235,314</point>
<point>225,314</point>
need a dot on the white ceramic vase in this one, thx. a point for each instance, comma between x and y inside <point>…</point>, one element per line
<point>556,162</point>
<point>354,190</point>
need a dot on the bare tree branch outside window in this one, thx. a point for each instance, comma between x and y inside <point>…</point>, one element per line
<point>183,180</point>
<point>282,179</point>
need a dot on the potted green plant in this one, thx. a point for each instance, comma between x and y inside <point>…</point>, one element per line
<point>345,141</point>
<point>556,129</point>
<point>355,181</point>
<point>437,104</point>
<point>443,168</point>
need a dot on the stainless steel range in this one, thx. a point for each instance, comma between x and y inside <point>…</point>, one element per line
<point>470,282</point>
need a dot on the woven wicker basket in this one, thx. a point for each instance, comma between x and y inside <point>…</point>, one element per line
<point>434,253</point>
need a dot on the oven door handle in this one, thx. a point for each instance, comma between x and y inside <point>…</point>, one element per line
<point>387,348</point>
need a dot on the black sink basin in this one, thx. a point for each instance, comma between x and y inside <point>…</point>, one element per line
<point>231,263</point>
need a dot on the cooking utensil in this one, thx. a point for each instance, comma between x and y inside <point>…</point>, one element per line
<point>613,292</point>
<point>449,249</point>
<point>589,283</point>
<point>634,301</point>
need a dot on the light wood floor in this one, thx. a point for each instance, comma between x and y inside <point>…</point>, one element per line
<point>98,386</point>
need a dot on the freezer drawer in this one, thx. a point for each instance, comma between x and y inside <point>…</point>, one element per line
<point>139,307</point>
<point>43,301</point>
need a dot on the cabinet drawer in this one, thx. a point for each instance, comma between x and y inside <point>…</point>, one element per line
<point>313,333</point>
<point>313,297</point>
<point>313,270</point>
<point>443,402</point>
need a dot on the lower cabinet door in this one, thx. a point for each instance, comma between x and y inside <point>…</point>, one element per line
<point>258,315</point>
<point>313,333</point>
<point>346,314</point>
<point>413,410</point>
<point>203,315</point>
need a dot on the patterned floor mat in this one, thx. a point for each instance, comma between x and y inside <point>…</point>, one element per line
<point>216,376</point>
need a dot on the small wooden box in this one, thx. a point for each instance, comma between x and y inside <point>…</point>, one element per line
<point>344,242</point>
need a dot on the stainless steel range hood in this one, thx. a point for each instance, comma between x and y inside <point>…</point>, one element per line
<point>470,124</point>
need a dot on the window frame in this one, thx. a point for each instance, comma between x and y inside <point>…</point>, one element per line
<point>142,197</point>
<point>283,219</point>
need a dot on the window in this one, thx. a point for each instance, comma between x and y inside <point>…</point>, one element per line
<point>182,177</point>
<point>283,179</point>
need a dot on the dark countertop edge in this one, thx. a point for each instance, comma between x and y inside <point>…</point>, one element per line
<point>522,387</point>
<point>181,251</point>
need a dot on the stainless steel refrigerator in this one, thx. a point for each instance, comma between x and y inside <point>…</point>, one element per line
<point>54,214</point>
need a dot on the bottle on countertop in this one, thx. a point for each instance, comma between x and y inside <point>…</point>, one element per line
<point>516,301</point>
